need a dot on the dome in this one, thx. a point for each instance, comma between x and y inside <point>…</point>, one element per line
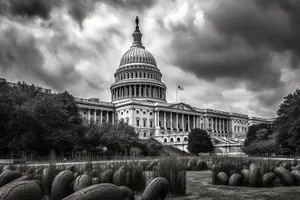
<point>137,55</point>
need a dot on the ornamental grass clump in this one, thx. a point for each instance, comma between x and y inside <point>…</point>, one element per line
<point>175,172</point>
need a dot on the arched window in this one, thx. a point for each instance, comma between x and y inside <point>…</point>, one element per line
<point>140,74</point>
<point>145,134</point>
<point>127,75</point>
<point>148,75</point>
<point>165,140</point>
<point>151,76</point>
<point>144,75</point>
<point>178,139</point>
<point>172,140</point>
<point>131,74</point>
<point>136,74</point>
<point>185,139</point>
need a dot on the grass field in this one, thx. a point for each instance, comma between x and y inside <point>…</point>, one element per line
<point>199,187</point>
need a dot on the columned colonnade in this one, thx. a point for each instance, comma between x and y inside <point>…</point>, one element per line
<point>220,125</point>
<point>102,116</point>
<point>185,122</point>
<point>138,91</point>
<point>177,121</point>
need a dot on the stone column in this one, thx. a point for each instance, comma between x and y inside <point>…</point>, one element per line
<point>220,129</point>
<point>106,116</point>
<point>182,122</point>
<point>189,126</point>
<point>95,116</point>
<point>134,90</point>
<point>171,121</point>
<point>158,118</point>
<point>113,117</point>
<point>165,119</point>
<point>177,121</point>
<point>228,124</point>
<point>212,124</point>
<point>101,120</point>
<point>194,122</point>
<point>89,116</point>
<point>129,90</point>
<point>140,92</point>
<point>158,92</point>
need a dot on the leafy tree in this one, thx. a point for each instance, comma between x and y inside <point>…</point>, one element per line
<point>32,121</point>
<point>199,141</point>
<point>253,134</point>
<point>288,123</point>
<point>260,140</point>
<point>118,138</point>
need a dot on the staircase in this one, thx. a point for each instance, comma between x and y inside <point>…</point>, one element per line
<point>173,151</point>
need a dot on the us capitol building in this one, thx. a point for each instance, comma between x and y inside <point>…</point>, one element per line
<point>138,97</point>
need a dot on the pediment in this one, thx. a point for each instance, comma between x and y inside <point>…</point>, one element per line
<point>182,106</point>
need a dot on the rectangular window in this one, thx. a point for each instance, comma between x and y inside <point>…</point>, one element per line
<point>145,123</point>
<point>151,124</point>
<point>138,122</point>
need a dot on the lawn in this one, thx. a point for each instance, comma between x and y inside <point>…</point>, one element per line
<point>199,187</point>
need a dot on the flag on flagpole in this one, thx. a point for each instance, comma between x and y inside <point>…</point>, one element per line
<point>180,87</point>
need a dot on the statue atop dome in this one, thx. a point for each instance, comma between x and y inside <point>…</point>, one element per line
<point>137,35</point>
<point>137,21</point>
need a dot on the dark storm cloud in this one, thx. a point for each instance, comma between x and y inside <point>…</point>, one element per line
<point>19,52</point>
<point>238,41</point>
<point>274,24</point>
<point>77,9</point>
<point>31,8</point>
<point>138,5</point>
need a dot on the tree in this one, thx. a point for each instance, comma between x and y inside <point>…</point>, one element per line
<point>33,121</point>
<point>260,139</point>
<point>253,134</point>
<point>199,141</point>
<point>288,123</point>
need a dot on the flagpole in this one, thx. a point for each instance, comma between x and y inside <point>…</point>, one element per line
<point>176,92</point>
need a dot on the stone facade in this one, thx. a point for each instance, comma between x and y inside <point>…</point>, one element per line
<point>139,99</point>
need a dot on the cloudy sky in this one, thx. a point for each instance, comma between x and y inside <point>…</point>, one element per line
<point>232,55</point>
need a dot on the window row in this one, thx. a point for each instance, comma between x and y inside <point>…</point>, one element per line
<point>144,122</point>
<point>137,112</point>
<point>129,75</point>
<point>145,134</point>
<point>138,59</point>
<point>240,129</point>
<point>177,139</point>
<point>138,91</point>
